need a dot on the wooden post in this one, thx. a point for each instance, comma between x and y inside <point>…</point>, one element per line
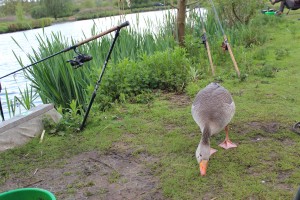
<point>207,48</point>
<point>210,59</point>
<point>232,56</point>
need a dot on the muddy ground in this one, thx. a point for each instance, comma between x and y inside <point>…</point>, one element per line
<point>90,175</point>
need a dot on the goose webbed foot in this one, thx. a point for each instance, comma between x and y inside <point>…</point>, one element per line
<point>212,151</point>
<point>227,144</point>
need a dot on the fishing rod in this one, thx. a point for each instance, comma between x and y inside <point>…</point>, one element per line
<point>100,78</point>
<point>80,58</point>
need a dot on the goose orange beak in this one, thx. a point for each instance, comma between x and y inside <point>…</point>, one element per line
<point>203,166</point>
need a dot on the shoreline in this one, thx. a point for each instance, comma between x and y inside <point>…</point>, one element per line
<point>15,26</point>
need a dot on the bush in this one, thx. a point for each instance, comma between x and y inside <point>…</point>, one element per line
<point>19,26</point>
<point>168,70</point>
<point>38,12</point>
<point>3,27</point>
<point>41,22</point>
<point>131,81</point>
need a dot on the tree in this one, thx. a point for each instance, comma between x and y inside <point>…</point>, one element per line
<point>9,7</point>
<point>88,3</point>
<point>58,8</point>
<point>19,11</point>
<point>181,21</point>
<point>238,11</point>
<point>181,15</point>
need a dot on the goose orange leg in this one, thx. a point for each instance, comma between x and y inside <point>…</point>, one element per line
<point>227,144</point>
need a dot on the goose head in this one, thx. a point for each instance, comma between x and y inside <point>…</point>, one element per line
<point>202,156</point>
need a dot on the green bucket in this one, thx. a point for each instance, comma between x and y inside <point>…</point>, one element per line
<point>27,194</point>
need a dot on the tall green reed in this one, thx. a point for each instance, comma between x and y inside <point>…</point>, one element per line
<point>57,82</point>
<point>26,100</point>
<point>11,105</point>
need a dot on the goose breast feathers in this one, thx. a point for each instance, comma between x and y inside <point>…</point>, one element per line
<point>213,107</point>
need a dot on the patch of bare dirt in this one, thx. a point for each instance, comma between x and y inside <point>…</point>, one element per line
<point>94,176</point>
<point>270,127</point>
<point>179,100</point>
<point>267,127</point>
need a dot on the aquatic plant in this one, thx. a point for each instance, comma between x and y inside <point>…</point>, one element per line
<point>57,82</point>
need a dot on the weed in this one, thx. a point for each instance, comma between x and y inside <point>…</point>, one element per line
<point>103,191</point>
<point>67,173</point>
<point>260,54</point>
<point>71,191</point>
<point>90,184</point>
<point>28,96</point>
<point>266,71</point>
<point>193,73</point>
<point>88,193</point>
<point>114,177</point>
<point>70,119</point>
<point>281,53</point>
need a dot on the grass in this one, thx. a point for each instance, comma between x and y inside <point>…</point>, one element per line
<point>264,166</point>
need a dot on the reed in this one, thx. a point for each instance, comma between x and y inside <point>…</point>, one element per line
<point>11,105</point>
<point>27,98</point>
<point>57,82</point>
<point>24,101</point>
<point>54,79</point>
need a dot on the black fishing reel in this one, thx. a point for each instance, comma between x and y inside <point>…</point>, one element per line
<point>79,59</point>
<point>204,39</point>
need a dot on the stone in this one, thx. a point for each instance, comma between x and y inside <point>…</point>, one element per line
<point>22,128</point>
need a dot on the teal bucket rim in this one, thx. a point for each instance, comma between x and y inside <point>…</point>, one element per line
<point>51,195</point>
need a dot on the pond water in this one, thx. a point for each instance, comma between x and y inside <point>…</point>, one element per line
<point>77,30</point>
